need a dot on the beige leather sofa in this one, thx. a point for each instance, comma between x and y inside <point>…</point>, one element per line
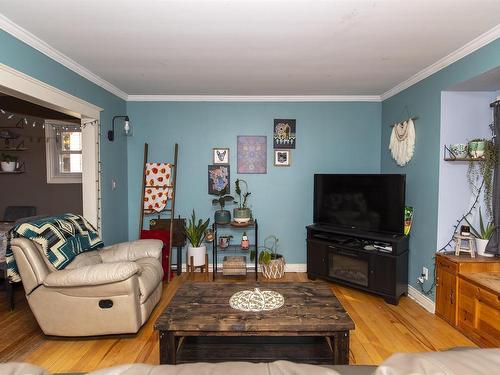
<point>462,362</point>
<point>108,291</point>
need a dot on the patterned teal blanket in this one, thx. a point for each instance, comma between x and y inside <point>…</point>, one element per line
<point>61,237</point>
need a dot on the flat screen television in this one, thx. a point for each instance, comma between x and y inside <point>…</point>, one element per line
<point>362,202</point>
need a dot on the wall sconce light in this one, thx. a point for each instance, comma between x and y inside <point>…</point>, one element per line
<point>127,130</point>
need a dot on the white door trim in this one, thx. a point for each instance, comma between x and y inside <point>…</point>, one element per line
<point>23,86</point>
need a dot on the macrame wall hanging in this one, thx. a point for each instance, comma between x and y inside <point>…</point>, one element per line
<point>402,143</point>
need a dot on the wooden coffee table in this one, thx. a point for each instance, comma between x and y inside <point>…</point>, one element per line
<point>199,325</point>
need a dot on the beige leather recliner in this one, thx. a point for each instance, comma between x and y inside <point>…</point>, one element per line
<point>112,290</point>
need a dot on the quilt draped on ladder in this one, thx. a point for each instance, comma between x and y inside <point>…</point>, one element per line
<point>158,187</point>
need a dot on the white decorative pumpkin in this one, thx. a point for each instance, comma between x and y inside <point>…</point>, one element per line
<point>256,300</point>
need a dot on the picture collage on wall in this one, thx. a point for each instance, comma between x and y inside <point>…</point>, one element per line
<point>251,155</point>
<point>284,140</point>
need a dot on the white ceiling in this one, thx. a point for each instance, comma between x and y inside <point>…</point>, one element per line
<point>256,47</point>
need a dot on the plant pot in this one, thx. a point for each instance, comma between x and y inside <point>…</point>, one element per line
<point>476,148</point>
<point>275,269</point>
<point>481,247</point>
<point>224,241</point>
<point>198,253</point>
<point>222,217</point>
<point>459,150</point>
<point>8,166</point>
<point>242,215</point>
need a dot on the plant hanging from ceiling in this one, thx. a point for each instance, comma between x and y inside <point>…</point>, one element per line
<point>484,169</point>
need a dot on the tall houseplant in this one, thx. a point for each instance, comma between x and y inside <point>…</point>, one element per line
<point>482,235</point>
<point>195,233</point>
<point>483,169</point>
<point>242,213</point>
<point>222,216</point>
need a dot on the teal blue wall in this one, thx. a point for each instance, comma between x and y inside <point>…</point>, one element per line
<point>424,100</point>
<point>20,56</point>
<point>331,138</point>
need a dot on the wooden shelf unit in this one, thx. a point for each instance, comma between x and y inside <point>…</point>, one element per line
<point>235,249</point>
<point>465,300</point>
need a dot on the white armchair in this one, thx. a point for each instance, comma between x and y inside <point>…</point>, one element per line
<point>108,291</point>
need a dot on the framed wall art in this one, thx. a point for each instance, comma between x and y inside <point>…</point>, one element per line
<point>284,134</point>
<point>218,179</point>
<point>220,155</point>
<point>282,158</point>
<point>252,154</point>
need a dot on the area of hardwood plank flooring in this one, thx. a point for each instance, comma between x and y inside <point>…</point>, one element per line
<point>381,329</point>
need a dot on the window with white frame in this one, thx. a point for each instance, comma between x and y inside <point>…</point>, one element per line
<point>64,152</point>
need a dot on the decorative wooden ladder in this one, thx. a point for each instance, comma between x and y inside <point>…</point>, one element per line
<point>170,209</point>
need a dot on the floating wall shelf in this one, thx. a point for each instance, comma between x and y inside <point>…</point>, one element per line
<point>450,156</point>
<point>13,149</point>
<point>15,172</point>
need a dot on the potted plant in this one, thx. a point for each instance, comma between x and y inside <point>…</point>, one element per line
<point>242,214</point>
<point>195,233</point>
<point>272,264</point>
<point>222,216</point>
<point>483,168</point>
<point>8,162</point>
<point>477,147</point>
<point>482,235</point>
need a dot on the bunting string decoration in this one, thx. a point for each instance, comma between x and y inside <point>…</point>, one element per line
<point>402,142</point>
<point>23,121</point>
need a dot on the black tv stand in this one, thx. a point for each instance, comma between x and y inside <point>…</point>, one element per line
<point>374,262</point>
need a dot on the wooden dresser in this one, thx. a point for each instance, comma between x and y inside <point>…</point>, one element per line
<point>468,296</point>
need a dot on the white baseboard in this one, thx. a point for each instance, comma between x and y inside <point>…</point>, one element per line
<point>296,267</point>
<point>421,299</point>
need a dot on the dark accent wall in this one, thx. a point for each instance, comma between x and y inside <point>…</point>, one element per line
<point>31,188</point>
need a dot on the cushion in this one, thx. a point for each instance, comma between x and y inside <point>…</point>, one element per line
<point>49,265</point>
<point>97,274</point>
<point>150,275</point>
<point>131,251</point>
<point>17,368</point>
<point>473,361</point>
<point>85,259</point>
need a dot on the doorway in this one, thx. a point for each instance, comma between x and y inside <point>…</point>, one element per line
<point>24,87</point>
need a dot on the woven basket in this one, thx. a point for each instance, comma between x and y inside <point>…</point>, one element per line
<point>275,269</point>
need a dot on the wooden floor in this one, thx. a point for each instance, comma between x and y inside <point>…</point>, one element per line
<point>381,330</point>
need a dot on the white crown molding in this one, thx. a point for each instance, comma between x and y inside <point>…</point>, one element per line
<point>456,55</point>
<point>254,98</point>
<point>38,44</point>
<point>21,85</point>
<point>421,299</point>
<point>33,41</point>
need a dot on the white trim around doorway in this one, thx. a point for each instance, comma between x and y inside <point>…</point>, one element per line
<point>23,86</point>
